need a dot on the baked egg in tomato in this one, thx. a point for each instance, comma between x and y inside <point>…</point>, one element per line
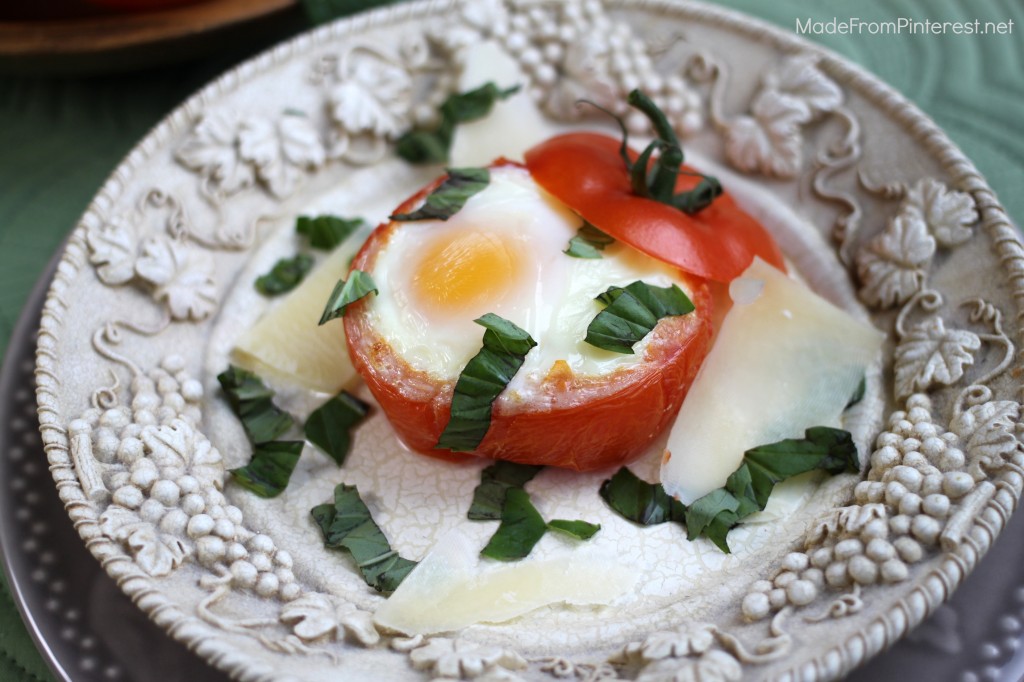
<point>570,404</point>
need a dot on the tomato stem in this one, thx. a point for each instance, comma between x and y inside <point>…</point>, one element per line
<point>657,181</point>
<point>638,100</point>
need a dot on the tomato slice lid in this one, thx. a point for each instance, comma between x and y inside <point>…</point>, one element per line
<point>586,172</point>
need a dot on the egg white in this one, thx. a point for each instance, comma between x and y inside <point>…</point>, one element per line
<point>552,297</point>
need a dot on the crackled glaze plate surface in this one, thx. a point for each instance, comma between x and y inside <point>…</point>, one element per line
<point>872,204</point>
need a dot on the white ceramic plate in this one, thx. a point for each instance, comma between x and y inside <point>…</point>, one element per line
<point>871,202</point>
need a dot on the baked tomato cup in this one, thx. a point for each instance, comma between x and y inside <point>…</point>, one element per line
<point>509,252</point>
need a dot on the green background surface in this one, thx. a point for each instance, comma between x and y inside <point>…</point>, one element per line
<point>60,137</point>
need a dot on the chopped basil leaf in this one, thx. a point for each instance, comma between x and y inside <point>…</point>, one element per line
<point>589,242</point>
<point>581,530</point>
<point>521,528</point>
<point>271,466</point>
<point>495,481</point>
<point>329,427</point>
<point>745,492</point>
<point>423,146</point>
<point>272,462</point>
<point>252,402</point>
<point>500,496</point>
<point>358,285</point>
<point>347,524</point>
<point>450,196</point>
<point>327,231</point>
<point>638,501</point>
<point>712,516</point>
<point>632,313</point>
<point>822,447</point>
<point>484,378</point>
<point>747,489</point>
<point>285,275</point>
<point>241,386</point>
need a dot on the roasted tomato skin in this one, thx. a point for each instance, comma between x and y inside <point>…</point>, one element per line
<point>575,422</point>
<point>586,172</point>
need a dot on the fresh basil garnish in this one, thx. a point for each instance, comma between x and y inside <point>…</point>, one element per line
<point>330,426</point>
<point>432,146</point>
<point>273,461</point>
<point>347,524</point>
<point>327,231</point>
<point>521,528</point>
<point>252,402</point>
<point>450,196</point>
<point>481,382</point>
<point>270,468</point>
<point>589,242</point>
<point>643,503</point>
<point>346,292</point>
<point>286,274</point>
<point>495,481</point>
<point>501,496</point>
<point>631,313</point>
<point>746,491</point>
<point>581,530</point>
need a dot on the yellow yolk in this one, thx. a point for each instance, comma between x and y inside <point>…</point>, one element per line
<point>466,272</point>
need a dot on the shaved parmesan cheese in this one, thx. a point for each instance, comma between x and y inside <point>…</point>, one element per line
<point>514,124</point>
<point>453,588</point>
<point>785,359</point>
<point>287,344</point>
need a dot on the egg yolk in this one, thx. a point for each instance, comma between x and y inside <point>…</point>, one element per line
<point>466,272</point>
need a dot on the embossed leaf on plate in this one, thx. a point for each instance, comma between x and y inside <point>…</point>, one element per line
<point>311,616</point>
<point>112,248</point>
<point>212,149</point>
<point>158,556</point>
<point>316,616</point>
<point>281,151</point>
<point>183,277</point>
<point>116,522</point>
<point>988,430</point>
<point>892,266</point>
<point>169,446</point>
<point>586,66</point>
<point>689,640</point>
<point>947,213</point>
<point>713,666</point>
<point>177,448</point>
<point>931,354</point>
<point>769,142</point>
<point>376,99</point>
<point>452,658</point>
<point>799,78</point>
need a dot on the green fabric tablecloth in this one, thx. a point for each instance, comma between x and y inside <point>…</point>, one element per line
<point>61,137</point>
